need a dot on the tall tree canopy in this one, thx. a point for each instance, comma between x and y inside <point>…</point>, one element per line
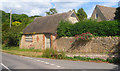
<point>81,14</point>
<point>11,36</point>
<point>117,13</point>
<point>51,11</point>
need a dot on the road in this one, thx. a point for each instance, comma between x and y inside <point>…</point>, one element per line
<point>22,62</point>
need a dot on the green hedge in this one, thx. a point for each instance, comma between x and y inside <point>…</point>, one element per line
<point>104,28</point>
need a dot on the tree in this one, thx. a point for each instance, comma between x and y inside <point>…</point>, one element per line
<point>51,11</point>
<point>81,14</point>
<point>20,17</point>
<point>35,16</point>
<point>16,23</point>
<point>117,13</point>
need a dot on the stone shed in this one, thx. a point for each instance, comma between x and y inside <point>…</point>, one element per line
<point>41,33</point>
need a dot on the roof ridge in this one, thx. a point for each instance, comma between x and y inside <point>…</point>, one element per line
<point>52,15</point>
<point>106,10</point>
<point>104,6</point>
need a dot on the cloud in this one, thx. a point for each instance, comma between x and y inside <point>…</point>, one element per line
<point>39,7</point>
<point>24,0</point>
<point>29,8</point>
<point>63,6</point>
<point>109,4</point>
<point>85,0</point>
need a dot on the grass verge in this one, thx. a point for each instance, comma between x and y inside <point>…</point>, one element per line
<point>50,53</point>
<point>23,52</point>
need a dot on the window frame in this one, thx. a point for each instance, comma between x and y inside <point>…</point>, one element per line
<point>28,38</point>
<point>96,16</point>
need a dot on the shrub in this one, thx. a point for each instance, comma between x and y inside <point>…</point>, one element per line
<point>16,23</point>
<point>68,58</point>
<point>12,36</point>
<point>61,55</point>
<point>113,60</point>
<point>84,36</point>
<point>103,28</point>
<point>64,29</point>
<point>49,52</point>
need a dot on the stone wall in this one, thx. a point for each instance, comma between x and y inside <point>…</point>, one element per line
<point>37,42</point>
<point>96,45</point>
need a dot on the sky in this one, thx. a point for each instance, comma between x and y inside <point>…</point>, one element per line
<point>39,7</point>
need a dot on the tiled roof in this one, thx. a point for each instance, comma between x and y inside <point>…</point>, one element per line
<point>108,12</point>
<point>46,24</point>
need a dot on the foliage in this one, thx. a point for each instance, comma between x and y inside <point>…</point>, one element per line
<point>35,16</point>
<point>21,18</point>
<point>11,36</point>
<point>113,60</point>
<point>61,55</point>
<point>117,13</point>
<point>49,52</point>
<point>51,11</point>
<point>16,23</point>
<point>64,28</point>
<point>85,58</point>
<point>84,36</point>
<point>24,50</point>
<point>81,14</point>
<point>103,28</point>
<point>5,16</point>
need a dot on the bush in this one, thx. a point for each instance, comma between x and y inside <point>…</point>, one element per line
<point>16,23</point>
<point>113,60</point>
<point>103,28</point>
<point>12,36</point>
<point>64,29</point>
<point>49,52</point>
<point>68,58</point>
<point>84,36</point>
<point>61,55</point>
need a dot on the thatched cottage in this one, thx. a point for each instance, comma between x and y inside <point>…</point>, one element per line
<point>102,13</point>
<point>41,33</point>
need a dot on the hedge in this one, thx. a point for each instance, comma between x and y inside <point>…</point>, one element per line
<point>103,28</point>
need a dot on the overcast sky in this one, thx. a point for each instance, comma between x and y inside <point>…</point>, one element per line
<point>39,7</point>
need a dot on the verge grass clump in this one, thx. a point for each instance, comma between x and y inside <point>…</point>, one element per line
<point>49,52</point>
<point>52,53</point>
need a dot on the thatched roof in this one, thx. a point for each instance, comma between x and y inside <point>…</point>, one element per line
<point>46,24</point>
<point>108,12</point>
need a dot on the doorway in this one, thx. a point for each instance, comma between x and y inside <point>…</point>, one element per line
<point>47,41</point>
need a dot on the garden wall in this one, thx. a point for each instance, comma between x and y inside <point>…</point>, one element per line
<point>96,45</point>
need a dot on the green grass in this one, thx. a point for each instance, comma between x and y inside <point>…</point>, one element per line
<point>21,49</point>
<point>85,59</point>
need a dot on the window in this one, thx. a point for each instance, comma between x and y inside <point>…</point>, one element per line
<point>73,15</point>
<point>96,17</point>
<point>28,38</point>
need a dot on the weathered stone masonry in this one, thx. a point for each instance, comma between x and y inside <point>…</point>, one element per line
<point>38,41</point>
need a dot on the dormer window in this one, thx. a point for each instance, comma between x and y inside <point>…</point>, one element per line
<point>73,15</point>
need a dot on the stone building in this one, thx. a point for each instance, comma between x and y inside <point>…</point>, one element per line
<point>41,33</point>
<point>102,13</point>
